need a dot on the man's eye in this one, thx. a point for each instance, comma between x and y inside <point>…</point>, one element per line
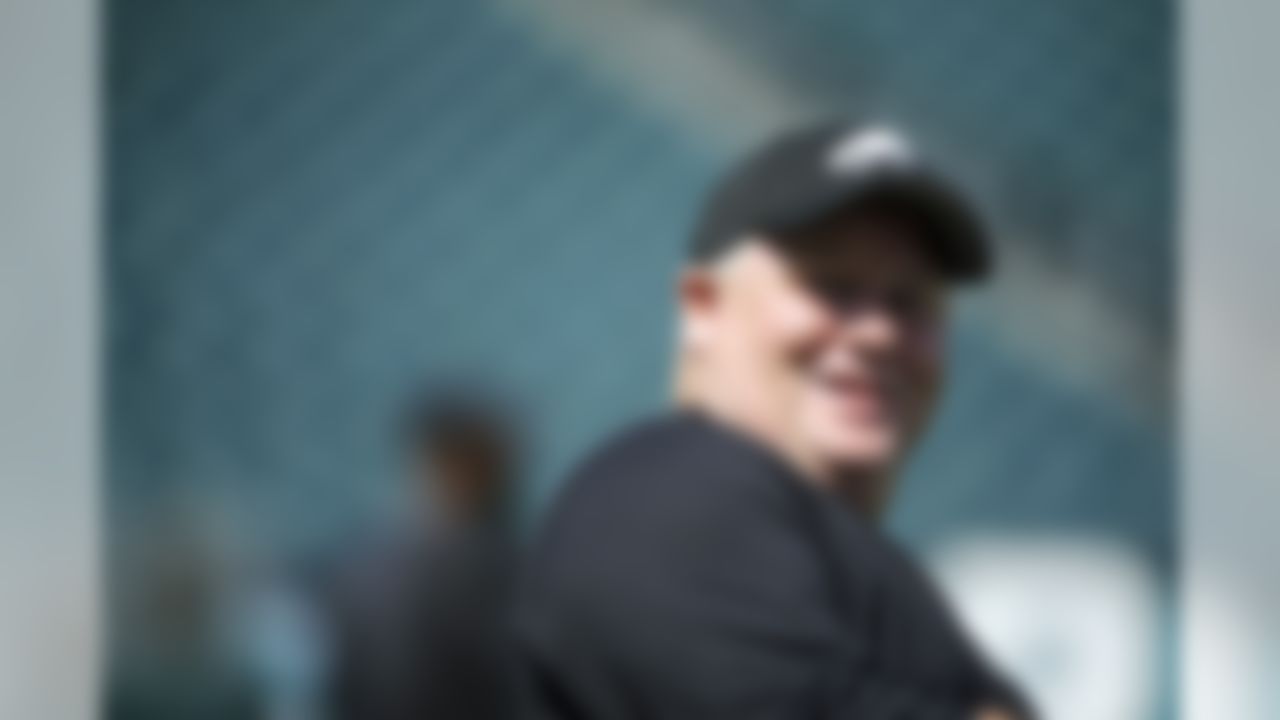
<point>907,303</point>
<point>839,293</point>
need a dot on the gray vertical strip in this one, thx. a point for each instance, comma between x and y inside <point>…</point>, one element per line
<point>1231,359</point>
<point>48,351</point>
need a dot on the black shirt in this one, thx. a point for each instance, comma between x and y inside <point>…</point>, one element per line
<point>417,624</point>
<point>688,573</point>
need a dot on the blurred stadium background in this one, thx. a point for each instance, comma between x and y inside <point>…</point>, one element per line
<point>315,205</point>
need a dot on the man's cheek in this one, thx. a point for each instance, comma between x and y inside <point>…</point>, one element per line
<point>799,317</point>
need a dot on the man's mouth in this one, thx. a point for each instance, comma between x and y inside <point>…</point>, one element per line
<point>857,395</point>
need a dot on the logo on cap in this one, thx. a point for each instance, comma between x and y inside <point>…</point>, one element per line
<point>874,147</point>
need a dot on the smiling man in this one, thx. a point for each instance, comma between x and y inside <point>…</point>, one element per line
<point>725,561</point>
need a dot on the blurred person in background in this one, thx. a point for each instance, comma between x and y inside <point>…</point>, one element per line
<point>417,614</point>
<point>725,560</point>
<point>176,610</point>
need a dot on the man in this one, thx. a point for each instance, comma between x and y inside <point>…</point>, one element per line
<point>418,613</point>
<point>725,561</point>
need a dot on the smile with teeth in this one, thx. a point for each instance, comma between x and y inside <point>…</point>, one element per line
<point>857,394</point>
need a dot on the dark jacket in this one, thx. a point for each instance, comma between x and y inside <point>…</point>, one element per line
<point>687,573</point>
<point>418,628</point>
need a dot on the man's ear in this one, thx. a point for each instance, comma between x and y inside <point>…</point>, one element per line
<point>697,296</point>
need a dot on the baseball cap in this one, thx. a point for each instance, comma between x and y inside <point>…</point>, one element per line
<point>807,176</point>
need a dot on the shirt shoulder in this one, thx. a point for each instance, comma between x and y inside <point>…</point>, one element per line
<point>674,469</point>
<point>671,510</point>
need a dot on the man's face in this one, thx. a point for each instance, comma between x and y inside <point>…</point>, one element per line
<point>829,349</point>
<point>465,474</point>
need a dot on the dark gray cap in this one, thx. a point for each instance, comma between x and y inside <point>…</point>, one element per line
<point>802,178</point>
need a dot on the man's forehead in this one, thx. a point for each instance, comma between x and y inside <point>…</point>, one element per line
<point>865,255</point>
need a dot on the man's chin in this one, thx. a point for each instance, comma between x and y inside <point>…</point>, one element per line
<point>871,456</point>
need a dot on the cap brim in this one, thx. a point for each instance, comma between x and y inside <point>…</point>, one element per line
<point>953,233</point>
